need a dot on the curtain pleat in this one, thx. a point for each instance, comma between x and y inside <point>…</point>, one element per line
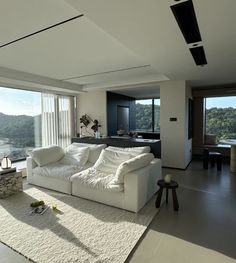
<point>57,120</point>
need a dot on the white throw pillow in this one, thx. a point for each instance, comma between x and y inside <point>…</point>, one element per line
<point>75,155</point>
<point>94,150</point>
<point>46,155</point>
<point>109,161</point>
<point>134,151</point>
<point>133,164</point>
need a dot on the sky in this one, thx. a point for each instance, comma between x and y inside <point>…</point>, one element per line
<point>148,101</point>
<point>221,102</point>
<point>19,102</point>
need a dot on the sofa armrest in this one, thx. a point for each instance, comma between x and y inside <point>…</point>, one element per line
<point>30,164</point>
<point>141,185</point>
<point>156,171</point>
<point>136,189</point>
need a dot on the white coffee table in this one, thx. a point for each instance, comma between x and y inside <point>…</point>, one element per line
<point>231,142</point>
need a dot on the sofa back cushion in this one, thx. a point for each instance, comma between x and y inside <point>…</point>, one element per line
<point>133,164</point>
<point>109,161</point>
<point>45,155</point>
<point>134,151</point>
<point>75,155</point>
<point>94,150</point>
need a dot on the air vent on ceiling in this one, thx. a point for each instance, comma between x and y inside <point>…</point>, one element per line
<point>186,18</point>
<point>198,54</point>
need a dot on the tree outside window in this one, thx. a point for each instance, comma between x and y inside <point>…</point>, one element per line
<point>220,115</point>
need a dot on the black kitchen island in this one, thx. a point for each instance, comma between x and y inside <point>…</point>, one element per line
<point>117,141</point>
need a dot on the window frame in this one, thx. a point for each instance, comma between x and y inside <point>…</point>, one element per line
<point>153,114</point>
<point>205,109</point>
<point>73,110</point>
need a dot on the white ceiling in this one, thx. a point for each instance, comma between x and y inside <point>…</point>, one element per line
<point>76,48</point>
<point>117,43</point>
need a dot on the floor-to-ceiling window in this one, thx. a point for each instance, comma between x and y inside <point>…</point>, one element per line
<point>31,119</point>
<point>57,119</point>
<point>220,118</point>
<point>148,115</point>
<point>20,122</point>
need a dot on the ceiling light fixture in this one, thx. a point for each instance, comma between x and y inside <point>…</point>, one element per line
<point>186,18</point>
<point>199,56</point>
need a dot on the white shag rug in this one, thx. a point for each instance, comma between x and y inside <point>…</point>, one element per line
<point>83,231</point>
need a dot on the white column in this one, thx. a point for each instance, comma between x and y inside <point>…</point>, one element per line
<point>176,148</point>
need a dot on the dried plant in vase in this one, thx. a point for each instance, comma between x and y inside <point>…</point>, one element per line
<point>86,120</point>
<point>95,126</point>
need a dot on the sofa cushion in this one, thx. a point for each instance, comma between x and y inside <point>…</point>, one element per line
<point>75,155</point>
<point>45,155</point>
<point>97,179</point>
<point>133,164</point>
<point>109,161</point>
<point>94,150</point>
<point>134,151</point>
<point>59,170</point>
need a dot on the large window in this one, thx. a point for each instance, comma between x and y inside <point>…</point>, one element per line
<point>20,122</point>
<point>57,119</point>
<point>33,119</point>
<point>221,117</point>
<point>148,115</point>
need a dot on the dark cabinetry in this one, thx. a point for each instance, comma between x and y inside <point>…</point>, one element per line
<point>155,145</point>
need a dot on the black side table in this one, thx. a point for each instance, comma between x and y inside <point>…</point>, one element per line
<point>172,185</point>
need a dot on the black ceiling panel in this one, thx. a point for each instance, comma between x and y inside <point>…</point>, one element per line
<point>199,56</point>
<point>186,18</point>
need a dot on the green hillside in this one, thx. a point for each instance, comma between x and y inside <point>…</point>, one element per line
<point>222,122</point>
<point>144,117</point>
<point>20,129</point>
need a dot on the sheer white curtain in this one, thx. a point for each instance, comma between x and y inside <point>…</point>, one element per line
<point>66,119</point>
<point>58,125</point>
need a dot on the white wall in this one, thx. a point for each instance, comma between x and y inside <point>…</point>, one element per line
<point>93,103</point>
<point>175,146</point>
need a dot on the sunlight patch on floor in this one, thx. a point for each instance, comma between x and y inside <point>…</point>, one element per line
<point>163,248</point>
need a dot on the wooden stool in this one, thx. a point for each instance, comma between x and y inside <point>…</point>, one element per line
<point>212,157</point>
<point>172,185</point>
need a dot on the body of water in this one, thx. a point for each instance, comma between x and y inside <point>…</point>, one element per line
<point>14,153</point>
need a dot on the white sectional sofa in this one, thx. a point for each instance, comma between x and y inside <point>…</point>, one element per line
<point>52,167</point>
<point>120,177</point>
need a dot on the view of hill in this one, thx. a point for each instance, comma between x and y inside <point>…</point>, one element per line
<point>222,122</point>
<point>20,129</point>
<point>144,117</point>
<point>18,132</point>
<point>219,121</point>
